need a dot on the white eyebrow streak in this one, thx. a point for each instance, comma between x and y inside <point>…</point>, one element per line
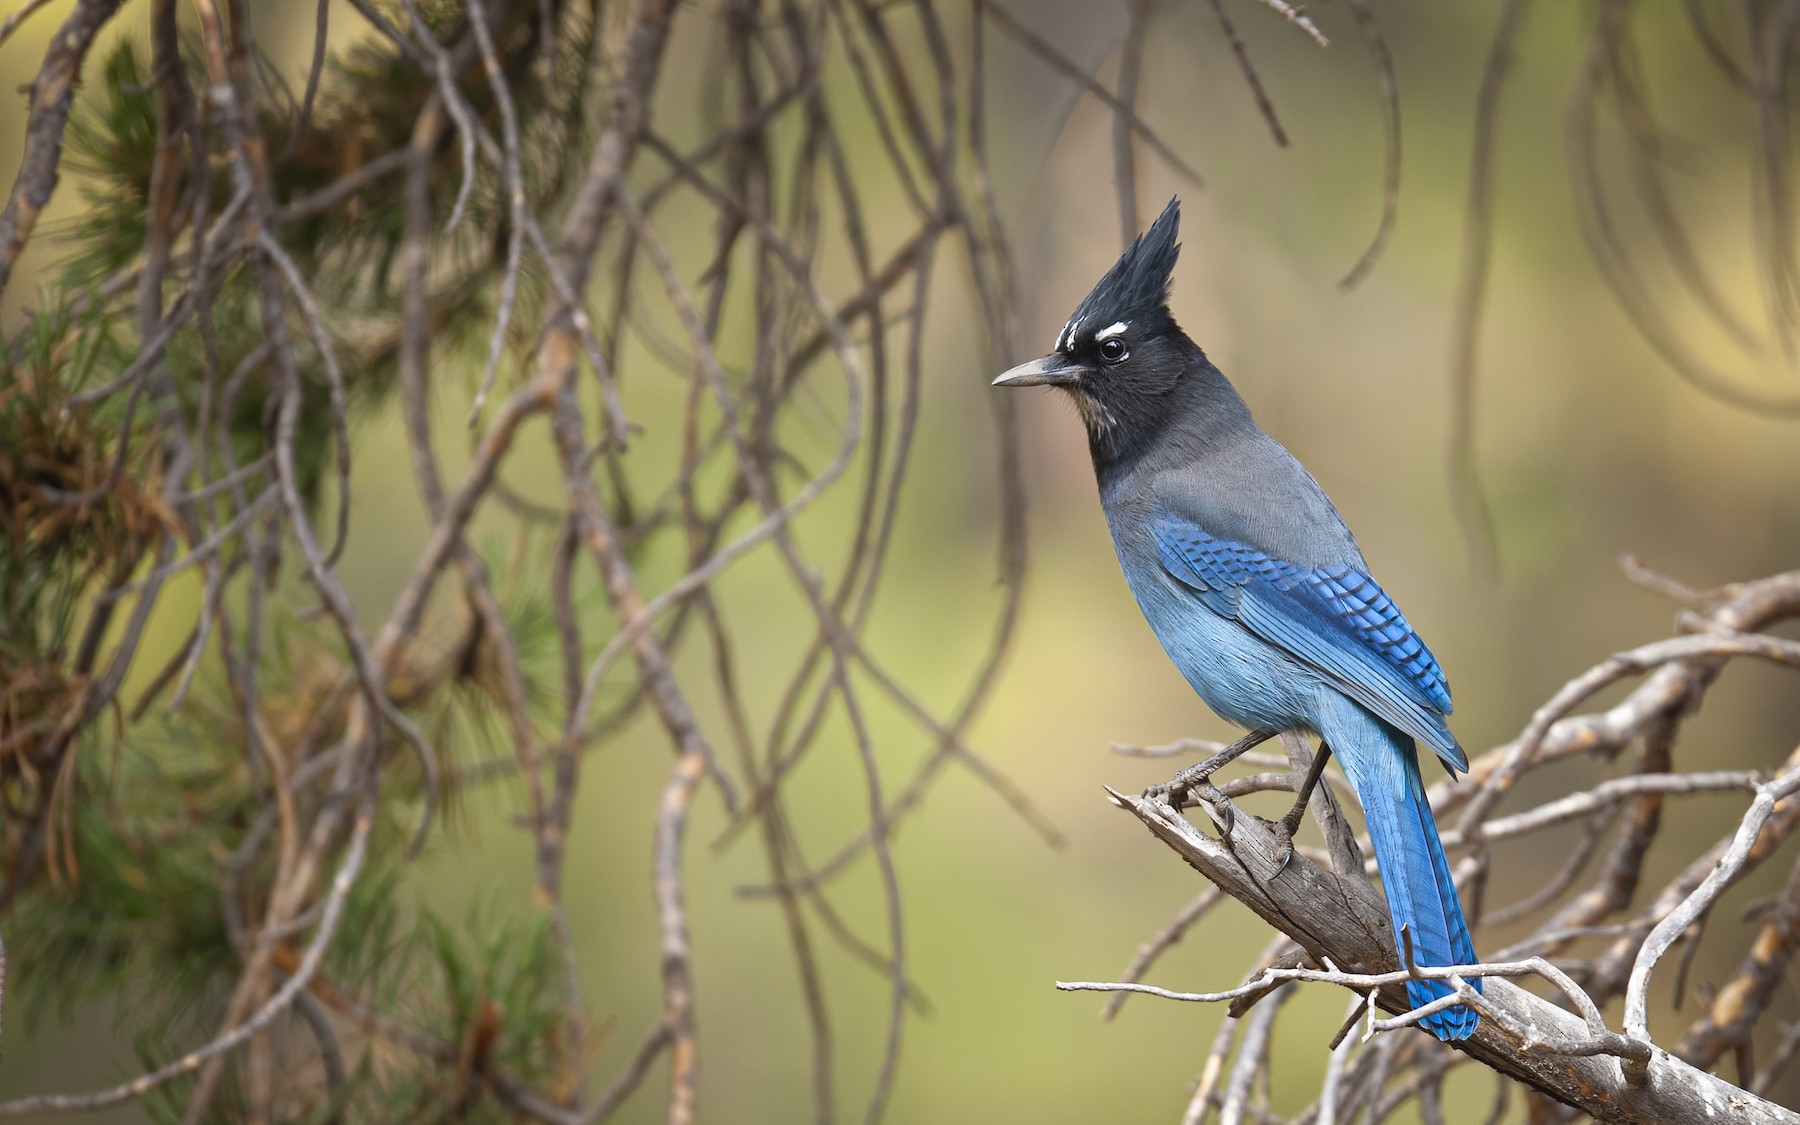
<point>1067,340</point>
<point>1110,331</point>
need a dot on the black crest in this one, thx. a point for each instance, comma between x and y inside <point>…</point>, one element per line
<point>1137,287</point>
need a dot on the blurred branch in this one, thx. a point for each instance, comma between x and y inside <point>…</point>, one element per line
<point>1364,15</point>
<point>1042,48</point>
<point>1630,245</point>
<point>1478,234</point>
<point>247,288</point>
<point>52,94</point>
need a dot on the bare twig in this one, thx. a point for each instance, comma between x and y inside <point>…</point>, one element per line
<point>51,95</point>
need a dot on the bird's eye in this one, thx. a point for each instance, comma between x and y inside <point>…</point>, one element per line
<point>1113,350</point>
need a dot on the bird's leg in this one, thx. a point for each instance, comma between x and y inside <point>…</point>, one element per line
<point>1290,824</point>
<point>1176,789</point>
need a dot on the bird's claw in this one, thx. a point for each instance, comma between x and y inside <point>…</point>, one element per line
<point>1222,806</point>
<point>1179,785</point>
<point>1177,791</point>
<point>1285,830</point>
<point>1284,846</point>
<point>1193,779</point>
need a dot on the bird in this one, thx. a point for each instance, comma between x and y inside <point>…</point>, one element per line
<point>1258,591</point>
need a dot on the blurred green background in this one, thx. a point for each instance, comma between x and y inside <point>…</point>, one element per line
<point>1587,444</point>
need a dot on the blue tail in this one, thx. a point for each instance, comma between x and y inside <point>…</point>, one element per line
<point>1383,767</point>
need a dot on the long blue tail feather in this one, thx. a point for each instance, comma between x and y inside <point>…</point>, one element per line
<point>1415,873</point>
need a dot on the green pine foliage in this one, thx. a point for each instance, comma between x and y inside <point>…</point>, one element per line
<point>137,845</point>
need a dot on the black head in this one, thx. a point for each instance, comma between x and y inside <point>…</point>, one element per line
<point>1121,354</point>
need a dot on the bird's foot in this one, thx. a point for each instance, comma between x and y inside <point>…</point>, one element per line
<point>1284,846</point>
<point>1175,790</point>
<point>1289,825</point>
<point>1221,805</point>
<point>1185,793</point>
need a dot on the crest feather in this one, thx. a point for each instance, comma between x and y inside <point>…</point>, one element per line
<point>1137,286</point>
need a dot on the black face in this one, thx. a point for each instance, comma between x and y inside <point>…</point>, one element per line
<point>1123,369</point>
<point>1121,352</point>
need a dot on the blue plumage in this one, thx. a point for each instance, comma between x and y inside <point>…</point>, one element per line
<point>1335,619</point>
<point>1255,587</point>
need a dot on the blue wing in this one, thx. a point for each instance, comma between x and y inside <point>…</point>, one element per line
<point>1334,618</point>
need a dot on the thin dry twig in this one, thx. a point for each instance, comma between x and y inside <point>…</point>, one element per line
<point>1471,503</point>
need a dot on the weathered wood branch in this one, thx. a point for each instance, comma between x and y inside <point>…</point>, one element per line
<point>1341,921</point>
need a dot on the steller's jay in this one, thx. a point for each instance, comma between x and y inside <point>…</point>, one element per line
<point>1256,588</point>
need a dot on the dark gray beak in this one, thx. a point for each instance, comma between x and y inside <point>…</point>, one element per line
<point>1051,370</point>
